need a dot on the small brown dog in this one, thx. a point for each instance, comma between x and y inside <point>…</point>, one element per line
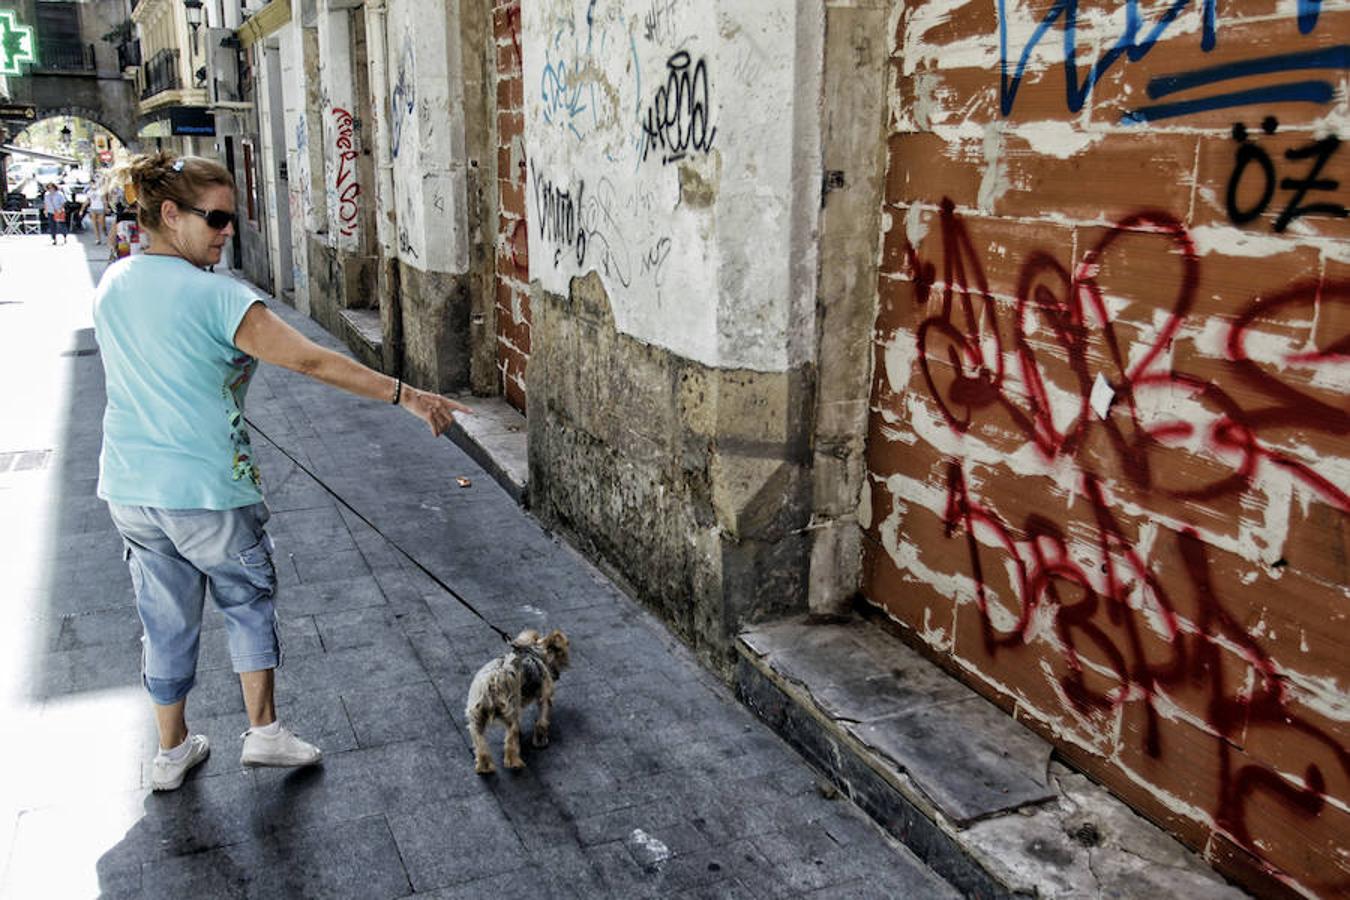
<point>506,685</point>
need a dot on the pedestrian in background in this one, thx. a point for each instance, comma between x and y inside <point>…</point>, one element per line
<point>98,207</point>
<point>75,207</point>
<point>179,346</point>
<point>54,205</point>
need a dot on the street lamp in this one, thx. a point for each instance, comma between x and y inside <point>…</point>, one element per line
<point>65,136</point>
<point>193,8</point>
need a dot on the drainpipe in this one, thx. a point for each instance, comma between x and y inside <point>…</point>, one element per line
<point>377,57</point>
<point>377,60</point>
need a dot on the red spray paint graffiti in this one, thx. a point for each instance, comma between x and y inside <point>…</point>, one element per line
<point>345,183</point>
<point>1077,316</point>
<point>1110,613</point>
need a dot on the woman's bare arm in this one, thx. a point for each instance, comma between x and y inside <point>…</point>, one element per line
<point>263,334</point>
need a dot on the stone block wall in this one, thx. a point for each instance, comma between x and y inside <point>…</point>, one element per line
<point>1109,446</point>
<point>693,482</point>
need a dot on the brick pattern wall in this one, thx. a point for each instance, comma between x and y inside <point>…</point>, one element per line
<point>1155,574</point>
<point>513,264</point>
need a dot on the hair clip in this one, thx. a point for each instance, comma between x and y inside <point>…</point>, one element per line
<point>177,165</point>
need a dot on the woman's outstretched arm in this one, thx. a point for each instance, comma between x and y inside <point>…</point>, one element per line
<point>263,334</point>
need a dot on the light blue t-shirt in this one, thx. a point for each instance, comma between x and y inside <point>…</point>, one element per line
<point>174,435</point>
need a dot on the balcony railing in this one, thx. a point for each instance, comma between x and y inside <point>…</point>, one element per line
<point>128,54</point>
<point>66,56</point>
<point>161,73</point>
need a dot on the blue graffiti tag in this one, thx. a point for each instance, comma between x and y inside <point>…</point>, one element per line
<point>1139,37</point>
<point>404,97</point>
<point>1312,91</point>
<point>563,102</point>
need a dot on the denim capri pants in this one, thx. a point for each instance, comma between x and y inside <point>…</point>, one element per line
<point>174,556</point>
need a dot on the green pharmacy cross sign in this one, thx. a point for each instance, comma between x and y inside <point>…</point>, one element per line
<point>16,43</point>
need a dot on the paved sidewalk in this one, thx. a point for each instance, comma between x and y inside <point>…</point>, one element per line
<point>657,784</point>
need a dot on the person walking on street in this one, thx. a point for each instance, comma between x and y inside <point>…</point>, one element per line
<point>98,207</point>
<point>179,346</point>
<point>54,204</point>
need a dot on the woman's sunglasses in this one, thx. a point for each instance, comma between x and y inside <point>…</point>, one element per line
<point>215,218</point>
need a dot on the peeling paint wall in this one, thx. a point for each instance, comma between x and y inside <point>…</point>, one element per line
<point>671,149</point>
<point>300,193</point>
<point>344,193</point>
<point>425,130</point>
<point>672,200</point>
<point>1109,449</point>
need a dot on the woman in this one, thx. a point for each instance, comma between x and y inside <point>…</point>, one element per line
<point>54,205</point>
<point>98,209</point>
<point>179,346</point>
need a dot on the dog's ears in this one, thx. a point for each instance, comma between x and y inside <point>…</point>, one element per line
<point>555,639</point>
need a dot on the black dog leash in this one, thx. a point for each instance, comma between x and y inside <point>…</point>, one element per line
<point>371,525</point>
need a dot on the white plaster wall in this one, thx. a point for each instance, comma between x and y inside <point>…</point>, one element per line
<point>297,156</point>
<point>268,93</point>
<point>426,136</point>
<point>721,271</point>
<point>341,139</point>
<point>376,13</point>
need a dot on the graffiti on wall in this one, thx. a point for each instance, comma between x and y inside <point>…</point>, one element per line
<point>558,218</point>
<point>403,98</point>
<point>300,166</point>
<point>574,87</point>
<point>346,185</point>
<point>1140,33</point>
<point>678,120</point>
<point>1107,612</point>
<point>585,226</point>
<point>966,335</point>
<point>628,97</point>
<point>1252,164</point>
<point>1111,442</point>
<point>591,86</point>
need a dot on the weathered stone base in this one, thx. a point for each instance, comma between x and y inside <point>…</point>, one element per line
<point>338,280</point>
<point>692,482</point>
<point>362,333</point>
<point>435,310</point>
<point>430,327</point>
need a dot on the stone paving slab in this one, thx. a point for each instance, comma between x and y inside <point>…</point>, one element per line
<point>657,783</point>
<point>973,793</point>
<point>969,759</point>
<point>495,438</point>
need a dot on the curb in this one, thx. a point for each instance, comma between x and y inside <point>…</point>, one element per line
<point>976,795</point>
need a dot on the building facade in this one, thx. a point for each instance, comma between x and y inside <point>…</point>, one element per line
<point>196,87</point>
<point>1025,325</point>
<point>77,68</point>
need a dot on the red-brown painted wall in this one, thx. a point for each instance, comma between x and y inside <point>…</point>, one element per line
<point>513,263</point>
<point>1162,590</point>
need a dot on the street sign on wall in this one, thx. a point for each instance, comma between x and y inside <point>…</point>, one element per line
<point>192,120</point>
<point>25,112</point>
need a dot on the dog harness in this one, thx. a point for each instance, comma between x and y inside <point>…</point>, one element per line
<point>532,667</point>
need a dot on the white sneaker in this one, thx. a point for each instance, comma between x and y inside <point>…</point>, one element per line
<point>167,775</point>
<point>282,749</point>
